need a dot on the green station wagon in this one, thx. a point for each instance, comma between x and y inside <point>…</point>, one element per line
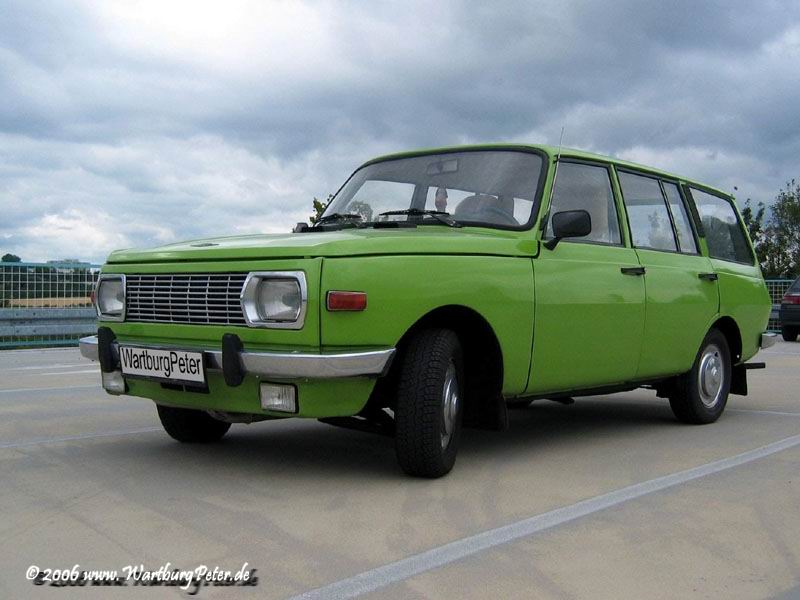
<point>439,288</point>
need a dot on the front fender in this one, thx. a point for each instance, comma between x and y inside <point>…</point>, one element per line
<point>401,289</point>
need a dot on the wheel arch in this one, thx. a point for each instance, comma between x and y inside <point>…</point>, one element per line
<point>732,334</point>
<point>483,355</point>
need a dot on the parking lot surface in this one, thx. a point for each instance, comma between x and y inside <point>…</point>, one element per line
<point>607,498</point>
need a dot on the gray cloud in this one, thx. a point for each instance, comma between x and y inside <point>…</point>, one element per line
<point>139,123</point>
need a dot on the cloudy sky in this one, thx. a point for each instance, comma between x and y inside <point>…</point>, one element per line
<point>134,123</point>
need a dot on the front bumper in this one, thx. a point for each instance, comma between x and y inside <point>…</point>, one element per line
<point>279,365</point>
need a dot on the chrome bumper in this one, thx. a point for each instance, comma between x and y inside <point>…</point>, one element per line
<point>282,365</point>
<point>768,339</point>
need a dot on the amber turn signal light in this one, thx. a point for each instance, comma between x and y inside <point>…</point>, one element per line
<point>347,301</point>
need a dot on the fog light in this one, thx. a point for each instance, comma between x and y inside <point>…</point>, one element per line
<point>282,398</point>
<point>113,382</point>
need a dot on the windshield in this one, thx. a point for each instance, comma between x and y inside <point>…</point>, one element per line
<point>491,188</point>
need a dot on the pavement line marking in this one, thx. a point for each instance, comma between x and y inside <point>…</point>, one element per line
<point>413,565</point>
<point>45,389</point>
<point>764,412</point>
<point>71,438</point>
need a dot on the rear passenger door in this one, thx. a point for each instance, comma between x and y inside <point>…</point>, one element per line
<point>589,303</point>
<point>681,290</point>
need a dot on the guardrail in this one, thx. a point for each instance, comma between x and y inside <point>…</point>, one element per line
<point>46,304</point>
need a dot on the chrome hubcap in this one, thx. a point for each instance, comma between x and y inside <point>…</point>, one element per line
<point>711,376</point>
<point>450,400</point>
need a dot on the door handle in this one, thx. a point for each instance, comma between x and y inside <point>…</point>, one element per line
<point>632,270</point>
<point>708,276</point>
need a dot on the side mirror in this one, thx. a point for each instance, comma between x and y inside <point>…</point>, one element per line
<point>300,228</point>
<point>569,224</point>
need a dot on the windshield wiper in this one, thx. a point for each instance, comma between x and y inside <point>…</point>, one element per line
<point>439,215</point>
<point>337,217</point>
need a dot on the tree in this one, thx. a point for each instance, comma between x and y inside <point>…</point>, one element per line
<point>360,208</point>
<point>319,208</point>
<point>782,234</point>
<point>10,258</point>
<point>354,207</point>
<point>754,221</point>
<point>777,239</point>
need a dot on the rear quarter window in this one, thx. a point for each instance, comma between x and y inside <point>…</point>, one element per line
<point>724,234</point>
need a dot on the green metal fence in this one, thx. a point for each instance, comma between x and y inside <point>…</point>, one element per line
<point>46,304</point>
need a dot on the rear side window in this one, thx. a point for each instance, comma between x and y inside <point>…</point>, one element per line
<point>724,233</point>
<point>648,215</point>
<point>586,187</point>
<point>680,218</point>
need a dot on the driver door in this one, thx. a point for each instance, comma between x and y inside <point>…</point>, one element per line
<point>589,292</point>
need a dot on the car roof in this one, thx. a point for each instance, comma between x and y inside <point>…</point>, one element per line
<point>551,152</point>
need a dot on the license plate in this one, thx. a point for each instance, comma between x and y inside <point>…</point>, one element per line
<point>167,365</point>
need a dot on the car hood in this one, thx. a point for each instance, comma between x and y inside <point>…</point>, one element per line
<point>349,242</point>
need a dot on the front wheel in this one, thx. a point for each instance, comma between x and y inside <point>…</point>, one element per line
<point>191,426</point>
<point>429,404</point>
<point>789,333</point>
<point>701,394</point>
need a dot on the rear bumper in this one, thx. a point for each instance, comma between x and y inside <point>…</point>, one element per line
<point>281,365</point>
<point>789,314</point>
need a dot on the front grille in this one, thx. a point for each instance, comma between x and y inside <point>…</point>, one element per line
<point>207,299</point>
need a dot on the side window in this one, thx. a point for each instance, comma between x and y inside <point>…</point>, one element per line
<point>648,215</point>
<point>724,234</point>
<point>686,240</point>
<point>586,187</point>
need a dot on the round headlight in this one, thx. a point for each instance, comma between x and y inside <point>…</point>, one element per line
<point>111,297</point>
<point>279,300</point>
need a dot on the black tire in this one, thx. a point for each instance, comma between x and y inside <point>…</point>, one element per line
<point>691,400</point>
<point>790,333</point>
<point>191,426</point>
<point>423,445</point>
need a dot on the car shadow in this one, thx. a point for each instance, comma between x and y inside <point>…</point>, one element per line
<point>546,423</point>
<point>307,448</point>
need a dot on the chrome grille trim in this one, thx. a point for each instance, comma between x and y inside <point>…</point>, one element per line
<point>189,298</point>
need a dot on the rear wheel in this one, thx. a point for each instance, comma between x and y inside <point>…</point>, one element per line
<point>790,333</point>
<point>191,426</point>
<point>701,394</point>
<point>429,404</point>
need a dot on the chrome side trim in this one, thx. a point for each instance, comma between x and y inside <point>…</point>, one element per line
<point>284,365</point>
<point>317,366</point>
<point>768,339</point>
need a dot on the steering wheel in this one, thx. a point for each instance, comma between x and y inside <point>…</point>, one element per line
<point>505,218</point>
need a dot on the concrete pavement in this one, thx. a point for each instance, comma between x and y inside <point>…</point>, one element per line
<point>91,479</point>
